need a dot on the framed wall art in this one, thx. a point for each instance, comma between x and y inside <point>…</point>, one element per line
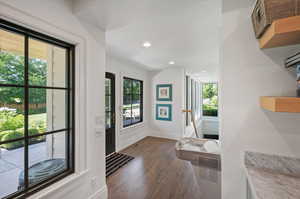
<point>164,92</point>
<point>164,112</point>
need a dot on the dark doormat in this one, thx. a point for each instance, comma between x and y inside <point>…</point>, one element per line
<point>116,161</point>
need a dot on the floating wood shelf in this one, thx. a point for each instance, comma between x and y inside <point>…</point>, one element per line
<point>281,104</point>
<point>282,32</point>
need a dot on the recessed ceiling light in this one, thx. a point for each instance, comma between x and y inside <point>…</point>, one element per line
<point>171,62</point>
<point>204,71</point>
<point>147,44</point>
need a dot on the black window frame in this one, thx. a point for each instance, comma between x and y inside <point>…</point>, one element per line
<point>131,94</point>
<point>70,107</point>
<point>187,100</point>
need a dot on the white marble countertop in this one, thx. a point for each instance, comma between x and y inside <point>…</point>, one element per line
<point>272,177</point>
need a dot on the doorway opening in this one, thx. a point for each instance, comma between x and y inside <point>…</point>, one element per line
<point>110,124</point>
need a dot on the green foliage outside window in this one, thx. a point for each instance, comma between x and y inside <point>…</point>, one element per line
<point>10,136</point>
<point>12,119</point>
<point>210,99</point>
<point>12,127</point>
<point>12,72</point>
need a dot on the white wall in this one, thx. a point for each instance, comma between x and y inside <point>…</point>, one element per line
<point>248,73</point>
<point>55,18</point>
<point>122,68</point>
<point>169,129</point>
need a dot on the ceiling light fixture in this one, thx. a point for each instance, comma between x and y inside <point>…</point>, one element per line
<point>171,62</point>
<point>147,44</point>
<point>204,71</point>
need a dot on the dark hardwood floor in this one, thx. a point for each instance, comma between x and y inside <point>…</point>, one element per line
<point>155,173</point>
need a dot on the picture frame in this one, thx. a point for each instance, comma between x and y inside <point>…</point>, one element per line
<point>164,112</point>
<point>164,92</point>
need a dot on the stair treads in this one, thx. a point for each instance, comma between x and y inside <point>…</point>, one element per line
<point>113,158</point>
<point>116,161</point>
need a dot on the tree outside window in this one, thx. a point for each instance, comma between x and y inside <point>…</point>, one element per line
<point>210,99</point>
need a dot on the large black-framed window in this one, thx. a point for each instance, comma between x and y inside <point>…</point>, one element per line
<point>36,110</point>
<point>132,101</point>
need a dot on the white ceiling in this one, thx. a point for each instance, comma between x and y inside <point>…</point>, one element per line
<point>185,31</point>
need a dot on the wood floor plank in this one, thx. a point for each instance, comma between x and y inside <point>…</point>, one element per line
<point>155,173</point>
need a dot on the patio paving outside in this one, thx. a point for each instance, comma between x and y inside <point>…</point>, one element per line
<point>12,163</point>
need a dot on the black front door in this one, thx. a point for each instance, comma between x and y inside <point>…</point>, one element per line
<point>110,113</point>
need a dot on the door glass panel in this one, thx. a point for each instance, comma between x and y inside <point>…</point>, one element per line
<point>108,120</point>
<point>107,103</point>
<point>11,58</point>
<point>107,86</point>
<point>109,113</point>
<point>47,64</point>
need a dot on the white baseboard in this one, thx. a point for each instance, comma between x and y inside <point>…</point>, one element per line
<point>165,136</point>
<point>100,194</point>
<point>129,143</point>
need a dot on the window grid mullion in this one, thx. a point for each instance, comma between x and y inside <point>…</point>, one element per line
<point>141,102</point>
<point>38,135</point>
<point>33,86</point>
<point>131,99</point>
<point>68,108</point>
<point>26,111</point>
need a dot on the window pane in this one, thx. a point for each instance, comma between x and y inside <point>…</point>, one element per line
<point>136,113</point>
<point>127,100</point>
<point>126,116</point>
<point>107,86</point>
<point>11,167</point>
<point>136,87</point>
<point>126,86</point>
<point>126,110</point>
<point>108,120</point>
<point>11,113</point>
<point>210,99</point>
<point>11,58</point>
<point>136,99</point>
<point>47,64</point>
<point>47,156</point>
<point>47,109</point>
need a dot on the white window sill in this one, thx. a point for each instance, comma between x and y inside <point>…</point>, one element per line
<point>135,126</point>
<point>67,181</point>
<point>210,118</point>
